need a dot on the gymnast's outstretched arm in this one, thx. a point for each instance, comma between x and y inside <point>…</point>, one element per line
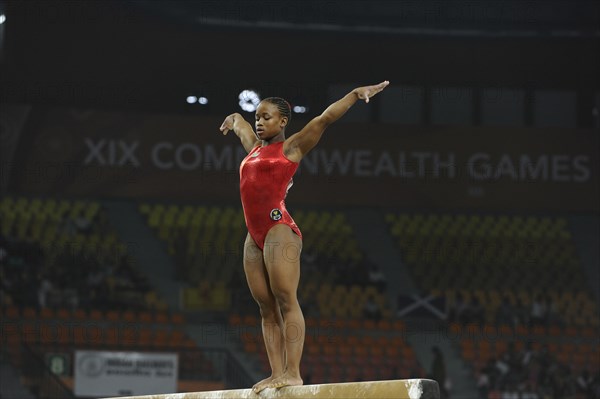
<point>302,142</point>
<point>242,129</point>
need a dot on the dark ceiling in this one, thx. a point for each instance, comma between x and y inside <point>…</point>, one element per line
<point>448,17</point>
<point>152,53</point>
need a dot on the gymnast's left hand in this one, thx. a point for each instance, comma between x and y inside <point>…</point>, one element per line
<point>366,92</point>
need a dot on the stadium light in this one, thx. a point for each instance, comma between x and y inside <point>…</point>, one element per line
<point>249,100</point>
<point>196,100</point>
<point>299,109</point>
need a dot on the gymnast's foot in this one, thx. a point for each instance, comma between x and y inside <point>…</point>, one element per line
<point>259,386</point>
<point>285,380</point>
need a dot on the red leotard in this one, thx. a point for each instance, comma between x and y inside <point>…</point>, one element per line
<point>265,178</point>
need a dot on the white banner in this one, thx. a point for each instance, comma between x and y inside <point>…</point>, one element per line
<point>102,373</point>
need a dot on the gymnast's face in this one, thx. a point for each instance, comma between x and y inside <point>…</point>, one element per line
<point>268,121</point>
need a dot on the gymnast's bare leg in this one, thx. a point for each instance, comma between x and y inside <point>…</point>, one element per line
<point>272,322</point>
<point>281,255</point>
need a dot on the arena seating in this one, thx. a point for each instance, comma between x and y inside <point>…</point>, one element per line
<point>338,350</point>
<point>206,243</point>
<point>96,297</point>
<point>62,332</point>
<point>492,271</point>
<point>489,257</point>
<point>69,250</point>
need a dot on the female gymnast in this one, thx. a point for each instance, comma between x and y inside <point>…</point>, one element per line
<point>274,241</point>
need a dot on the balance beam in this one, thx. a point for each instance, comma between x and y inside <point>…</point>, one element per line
<point>389,389</point>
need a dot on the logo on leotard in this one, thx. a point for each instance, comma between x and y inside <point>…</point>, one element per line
<point>275,214</point>
<point>254,155</point>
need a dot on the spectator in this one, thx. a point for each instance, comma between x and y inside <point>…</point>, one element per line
<point>584,383</point>
<point>376,276</point>
<point>82,224</point>
<point>510,393</point>
<point>44,290</point>
<point>460,311</point>
<point>595,387</point>
<point>102,222</point>
<point>527,355</point>
<point>178,247</point>
<point>438,371</point>
<point>532,372</point>
<point>6,281</point>
<point>505,312</point>
<point>502,369</point>
<point>71,298</point>
<point>552,312</point>
<point>371,310</point>
<point>483,383</point>
<point>545,358</point>
<point>528,393</point>
<point>493,373</point>
<point>514,372</point>
<point>565,383</point>
<point>476,312</point>
<point>3,253</point>
<point>463,310</point>
<point>520,314</point>
<point>538,311</point>
<point>310,262</point>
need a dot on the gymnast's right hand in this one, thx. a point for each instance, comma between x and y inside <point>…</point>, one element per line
<point>227,124</point>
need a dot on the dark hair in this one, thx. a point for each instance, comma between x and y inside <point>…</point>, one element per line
<point>283,106</point>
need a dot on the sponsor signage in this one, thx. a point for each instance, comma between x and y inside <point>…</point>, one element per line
<point>104,373</point>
